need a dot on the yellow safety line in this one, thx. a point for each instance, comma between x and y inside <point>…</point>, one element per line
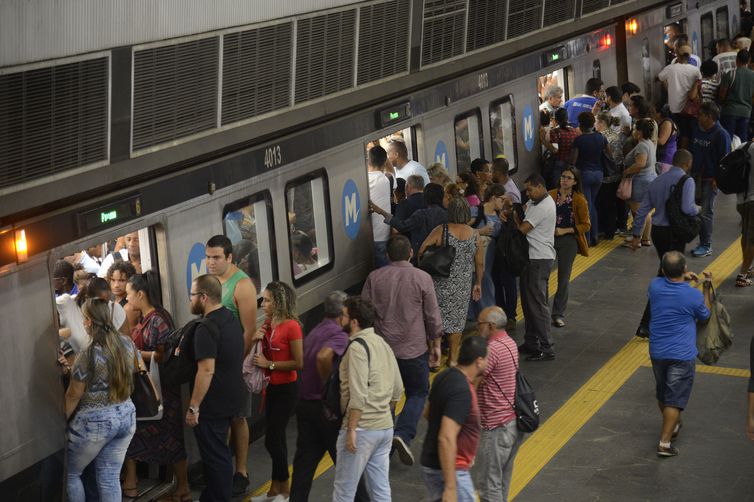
<point>716,370</point>
<point>555,433</point>
<point>580,265</point>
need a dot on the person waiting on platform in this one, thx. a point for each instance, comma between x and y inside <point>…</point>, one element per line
<point>675,309</point>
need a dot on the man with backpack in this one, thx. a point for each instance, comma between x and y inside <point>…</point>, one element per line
<point>317,432</point>
<point>745,206</point>
<point>675,186</point>
<point>709,144</point>
<point>217,388</point>
<point>371,385</point>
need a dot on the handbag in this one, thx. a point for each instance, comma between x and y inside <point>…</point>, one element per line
<point>145,397</point>
<point>715,336</point>
<point>693,101</point>
<point>255,378</point>
<point>525,403</point>
<point>624,189</point>
<point>437,260</point>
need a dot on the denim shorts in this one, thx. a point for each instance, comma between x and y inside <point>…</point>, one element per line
<point>674,380</point>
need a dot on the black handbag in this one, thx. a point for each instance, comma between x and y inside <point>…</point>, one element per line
<point>144,395</point>
<point>437,260</point>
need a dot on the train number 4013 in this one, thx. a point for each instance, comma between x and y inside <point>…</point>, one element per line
<point>273,157</point>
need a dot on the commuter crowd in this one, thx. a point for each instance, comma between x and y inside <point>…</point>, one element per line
<point>451,256</point>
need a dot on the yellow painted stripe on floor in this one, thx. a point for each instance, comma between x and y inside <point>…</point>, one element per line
<point>556,431</point>
<point>580,265</point>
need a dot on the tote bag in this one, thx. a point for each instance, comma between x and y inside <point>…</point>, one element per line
<point>624,189</point>
<point>715,336</point>
<point>145,396</point>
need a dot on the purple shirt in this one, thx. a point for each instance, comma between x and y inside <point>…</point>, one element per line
<point>327,333</point>
<point>405,306</point>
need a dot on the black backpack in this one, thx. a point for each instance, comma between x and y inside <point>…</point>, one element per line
<point>525,402</point>
<point>512,248</point>
<point>178,365</point>
<point>685,228</point>
<point>331,388</point>
<point>732,174</point>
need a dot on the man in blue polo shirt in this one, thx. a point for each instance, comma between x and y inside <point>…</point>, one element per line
<point>591,101</point>
<point>676,307</point>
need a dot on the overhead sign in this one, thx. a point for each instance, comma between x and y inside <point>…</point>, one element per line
<point>109,215</point>
<point>394,114</point>
<point>351,211</point>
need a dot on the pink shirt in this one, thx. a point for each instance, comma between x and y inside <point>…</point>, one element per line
<point>497,393</point>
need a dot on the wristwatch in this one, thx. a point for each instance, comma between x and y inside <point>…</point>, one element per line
<point>272,365</point>
<point>194,410</point>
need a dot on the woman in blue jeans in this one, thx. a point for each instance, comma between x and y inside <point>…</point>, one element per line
<point>99,400</point>
<point>586,155</point>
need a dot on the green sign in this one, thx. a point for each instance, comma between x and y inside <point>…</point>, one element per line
<point>108,216</point>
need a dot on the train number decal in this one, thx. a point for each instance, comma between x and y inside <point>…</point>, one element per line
<point>484,81</point>
<point>273,157</point>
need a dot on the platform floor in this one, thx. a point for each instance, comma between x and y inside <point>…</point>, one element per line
<point>600,420</point>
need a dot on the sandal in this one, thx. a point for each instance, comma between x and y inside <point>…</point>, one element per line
<point>627,244</point>
<point>742,281</point>
<point>130,493</point>
<point>646,244</point>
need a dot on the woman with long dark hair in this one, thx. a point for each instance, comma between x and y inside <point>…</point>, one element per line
<point>157,441</point>
<point>100,395</point>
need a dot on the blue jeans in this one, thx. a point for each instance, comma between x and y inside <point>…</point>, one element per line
<point>415,375</point>
<point>380,254</point>
<point>372,459</point>
<point>591,179</point>
<point>736,125</point>
<point>707,213</point>
<point>435,484</point>
<point>101,435</point>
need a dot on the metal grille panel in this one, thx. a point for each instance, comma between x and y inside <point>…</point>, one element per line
<point>52,120</point>
<point>443,30</point>
<point>383,40</point>
<point>590,6</point>
<point>325,51</point>
<point>486,24</point>
<point>558,11</point>
<point>524,16</point>
<point>256,71</point>
<point>175,91</point>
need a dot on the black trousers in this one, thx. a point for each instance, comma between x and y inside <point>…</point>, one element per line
<point>280,403</point>
<point>211,438</point>
<point>316,435</point>
<point>611,210</point>
<point>664,241</point>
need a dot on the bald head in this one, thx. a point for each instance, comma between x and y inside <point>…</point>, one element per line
<point>673,265</point>
<point>495,316</point>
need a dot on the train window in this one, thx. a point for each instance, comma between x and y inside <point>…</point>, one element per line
<point>558,78</point>
<point>309,231</point>
<point>503,130</point>
<point>468,135</point>
<point>596,69</point>
<point>407,135</point>
<point>721,20</point>
<point>249,226</point>
<point>708,36</point>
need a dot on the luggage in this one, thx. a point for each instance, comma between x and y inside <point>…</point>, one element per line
<point>732,174</point>
<point>714,337</point>
<point>178,365</point>
<point>685,228</point>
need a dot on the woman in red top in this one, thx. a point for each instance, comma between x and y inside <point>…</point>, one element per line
<point>282,354</point>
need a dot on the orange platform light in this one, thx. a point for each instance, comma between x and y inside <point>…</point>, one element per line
<point>632,26</point>
<point>22,248</point>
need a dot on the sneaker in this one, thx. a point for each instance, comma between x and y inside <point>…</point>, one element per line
<point>701,251</point>
<point>404,452</point>
<point>280,498</point>
<point>667,451</point>
<point>558,323</point>
<point>263,498</point>
<point>240,484</point>
<point>541,356</point>
<point>676,430</point>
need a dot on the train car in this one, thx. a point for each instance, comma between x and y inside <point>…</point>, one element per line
<point>294,205</point>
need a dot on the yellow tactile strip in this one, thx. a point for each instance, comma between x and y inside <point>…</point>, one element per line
<point>716,370</point>
<point>555,433</point>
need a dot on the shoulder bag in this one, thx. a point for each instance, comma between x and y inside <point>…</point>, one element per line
<point>145,396</point>
<point>437,260</point>
<point>715,336</point>
<point>624,188</point>
<point>255,378</point>
<point>525,403</point>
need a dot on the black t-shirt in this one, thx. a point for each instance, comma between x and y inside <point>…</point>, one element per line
<point>452,396</point>
<point>225,392</point>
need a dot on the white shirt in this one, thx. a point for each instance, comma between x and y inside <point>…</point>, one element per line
<point>541,237</point>
<point>679,77</point>
<point>72,318</point>
<point>379,194</point>
<point>726,62</point>
<point>621,112</point>
<point>412,167</point>
<point>108,262</point>
<point>90,264</point>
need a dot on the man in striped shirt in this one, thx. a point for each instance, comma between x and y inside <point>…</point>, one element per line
<point>500,437</point>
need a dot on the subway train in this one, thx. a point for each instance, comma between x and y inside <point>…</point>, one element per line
<point>294,202</point>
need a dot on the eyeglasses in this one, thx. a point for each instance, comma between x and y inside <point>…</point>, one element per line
<point>564,177</point>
